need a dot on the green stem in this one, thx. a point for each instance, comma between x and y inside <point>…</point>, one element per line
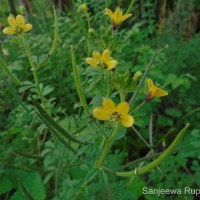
<point>88,39</point>
<point>28,52</point>
<point>138,107</point>
<point>130,6</point>
<point>80,21</point>
<point>107,146</point>
<point>157,161</point>
<point>108,76</point>
<point>56,33</point>
<point>140,136</point>
<point>143,77</point>
<point>77,82</point>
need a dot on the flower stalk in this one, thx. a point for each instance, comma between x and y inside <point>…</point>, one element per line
<point>28,52</point>
<point>139,106</point>
<point>107,146</point>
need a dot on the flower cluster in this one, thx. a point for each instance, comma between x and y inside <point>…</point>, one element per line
<point>109,111</point>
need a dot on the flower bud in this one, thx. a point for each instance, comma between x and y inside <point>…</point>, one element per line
<point>83,7</point>
<point>137,76</point>
<point>11,15</point>
<point>92,33</point>
<point>22,10</point>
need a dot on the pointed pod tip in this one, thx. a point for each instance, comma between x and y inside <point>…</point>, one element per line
<point>187,125</point>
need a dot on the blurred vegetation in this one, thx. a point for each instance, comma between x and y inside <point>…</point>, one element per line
<point>31,154</point>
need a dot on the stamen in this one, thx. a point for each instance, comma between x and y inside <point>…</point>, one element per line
<point>101,64</point>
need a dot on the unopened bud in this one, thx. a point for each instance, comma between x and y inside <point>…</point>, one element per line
<point>83,7</point>
<point>92,33</point>
<point>22,10</point>
<point>137,76</point>
<point>11,15</point>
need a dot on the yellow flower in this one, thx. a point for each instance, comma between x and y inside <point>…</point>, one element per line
<point>103,61</point>
<point>116,114</point>
<point>17,25</point>
<point>154,91</point>
<point>116,17</point>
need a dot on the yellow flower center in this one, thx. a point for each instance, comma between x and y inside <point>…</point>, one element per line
<point>102,65</point>
<point>17,29</point>
<point>115,117</point>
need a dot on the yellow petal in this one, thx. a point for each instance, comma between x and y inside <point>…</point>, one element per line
<point>101,113</point>
<point>106,55</point>
<point>117,16</point>
<point>27,27</point>
<point>20,20</point>
<point>150,84</point>
<point>96,55</point>
<point>127,121</point>
<point>159,93</point>
<point>111,64</point>
<point>91,61</point>
<point>108,104</point>
<point>124,17</point>
<point>123,108</point>
<point>109,13</point>
<point>11,21</point>
<point>8,30</point>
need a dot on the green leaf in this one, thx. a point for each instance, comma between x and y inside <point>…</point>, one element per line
<point>91,174</point>
<point>139,113</point>
<point>47,90</point>
<point>173,112</point>
<point>24,88</point>
<point>170,79</point>
<point>25,192</point>
<point>136,186</point>
<point>165,121</point>
<point>103,178</point>
<point>139,122</point>
<point>32,182</point>
<point>121,132</point>
<point>6,185</point>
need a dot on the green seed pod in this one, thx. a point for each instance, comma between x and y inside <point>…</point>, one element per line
<point>137,76</point>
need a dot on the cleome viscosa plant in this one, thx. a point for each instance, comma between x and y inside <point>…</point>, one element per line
<point>117,106</point>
